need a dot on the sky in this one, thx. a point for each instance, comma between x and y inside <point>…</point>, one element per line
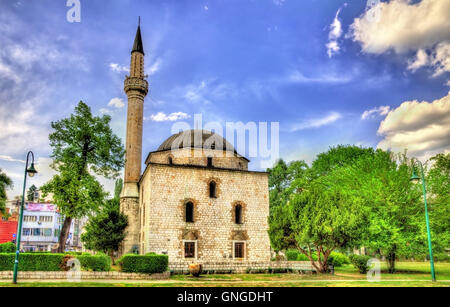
<point>373,74</point>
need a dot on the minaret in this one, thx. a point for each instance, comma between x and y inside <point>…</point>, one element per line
<point>136,88</point>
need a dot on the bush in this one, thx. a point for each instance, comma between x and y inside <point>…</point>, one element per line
<point>7,248</point>
<point>96,263</point>
<point>150,263</point>
<point>442,257</point>
<point>360,262</point>
<point>32,262</point>
<point>338,259</point>
<point>292,255</point>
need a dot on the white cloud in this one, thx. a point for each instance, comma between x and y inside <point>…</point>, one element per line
<point>423,128</point>
<point>162,117</point>
<point>10,159</point>
<point>116,103</point>
<point>155,67</point>
<point>317,122</point>
<point>298,77</point>
<point>118,68</point>
<point>278,2</point>
<point>421,60</point>
<point>404,26</point>
<point>335,33</point>
<point>377,111</point>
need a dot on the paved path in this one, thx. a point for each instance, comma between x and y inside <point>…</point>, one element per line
<point>111,281</point>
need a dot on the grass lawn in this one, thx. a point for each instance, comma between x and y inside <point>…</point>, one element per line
<point>409,274</point>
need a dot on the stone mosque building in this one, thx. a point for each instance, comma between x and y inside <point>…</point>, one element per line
<point>196,200</point>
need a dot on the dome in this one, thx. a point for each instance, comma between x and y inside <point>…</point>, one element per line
<point>196,139</point>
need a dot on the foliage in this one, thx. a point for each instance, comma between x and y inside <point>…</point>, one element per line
<point>8,247</point>
<point>105,231</point>
<point>438,196</point>
<point>360,263</point>
<point>96,263</point>
<point>338,259</point>
<point>149,263</point>
<point>30,193</point>
<point>32,262</point>
<point>82,143</point>
<point>5,182</point>
<point>292,255</point>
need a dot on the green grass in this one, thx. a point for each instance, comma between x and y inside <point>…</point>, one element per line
<point>409,274</point>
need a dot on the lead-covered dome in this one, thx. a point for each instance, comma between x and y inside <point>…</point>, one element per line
<point>196,139</point>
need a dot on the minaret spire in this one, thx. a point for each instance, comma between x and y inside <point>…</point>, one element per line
<point>136,88</point>
<point>138,45</point>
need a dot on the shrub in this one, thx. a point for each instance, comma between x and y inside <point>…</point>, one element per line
<point>442,257</point>
<point>96,263</point>
<point>360,262</point>
<point>32,262</point>
<point>303,257</point>
<point>7,248</point>
<point>149,263</point>
<point>338,259</point>
<point>292,255</point>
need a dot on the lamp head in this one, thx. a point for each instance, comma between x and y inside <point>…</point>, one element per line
<point>414,178</point>
<point>31,170</point>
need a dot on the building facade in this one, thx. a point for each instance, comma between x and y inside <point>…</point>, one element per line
<point>196,200</point>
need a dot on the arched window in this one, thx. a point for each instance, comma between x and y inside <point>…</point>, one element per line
<point>170,160</point>
<point>238,214</point>
<point>212,189</point>
<point>189,212</point>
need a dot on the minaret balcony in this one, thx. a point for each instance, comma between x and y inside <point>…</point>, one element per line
<point>136,84</point>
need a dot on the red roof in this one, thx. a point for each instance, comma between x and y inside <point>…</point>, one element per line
<point>7,230</point>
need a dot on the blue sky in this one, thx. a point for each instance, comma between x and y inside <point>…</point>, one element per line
<point>230,60</point>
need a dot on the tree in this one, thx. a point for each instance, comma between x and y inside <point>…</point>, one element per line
<point>106,230</point>
<point>438,180</point>
<point>5,182</point>
<point>323,219</point>
<point>31,193</point>
<point>82,144</point>
<point>393,204</point>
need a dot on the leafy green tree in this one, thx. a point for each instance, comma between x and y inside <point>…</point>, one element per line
<point>106,230</point>
<point>392,202</point>
<point>83,145</point>
<point>30,193</point>
<point>323,219</point>
<point>5,182</point>
<point>438,180</point>
<point>281,177</point>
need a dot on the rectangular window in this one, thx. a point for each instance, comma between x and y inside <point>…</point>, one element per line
<point>47,232</point>
<point>57,233</point>
<point>27,232</point>
<point>189,249</point>
<point>239,250</point>
<point>46,219</point>
<point>37,232</point>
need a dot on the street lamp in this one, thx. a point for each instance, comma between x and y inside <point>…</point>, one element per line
<point>415,179</point>
<point>31,171</point>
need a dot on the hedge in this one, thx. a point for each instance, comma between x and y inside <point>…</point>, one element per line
<point>150,263</point>
<point>7,248</point>
<point>96,263</point>
<point>338,259</point>
<point>32,262</point>
<point>360,262</point>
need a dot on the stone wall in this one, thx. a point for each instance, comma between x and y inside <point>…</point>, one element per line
<point>199,157</point>
<point>242,267</point>
<point>165,190</point>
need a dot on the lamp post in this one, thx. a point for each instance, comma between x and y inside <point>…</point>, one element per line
<point>415,179</point>
<point>31,171</point>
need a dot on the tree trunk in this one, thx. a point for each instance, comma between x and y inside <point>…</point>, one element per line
<point>64,234</point>
<point>113,259</point>
<point>391,262</point>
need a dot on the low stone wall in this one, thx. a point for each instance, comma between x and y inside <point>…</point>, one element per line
<point>242,267</point>
<point>85,275</point>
